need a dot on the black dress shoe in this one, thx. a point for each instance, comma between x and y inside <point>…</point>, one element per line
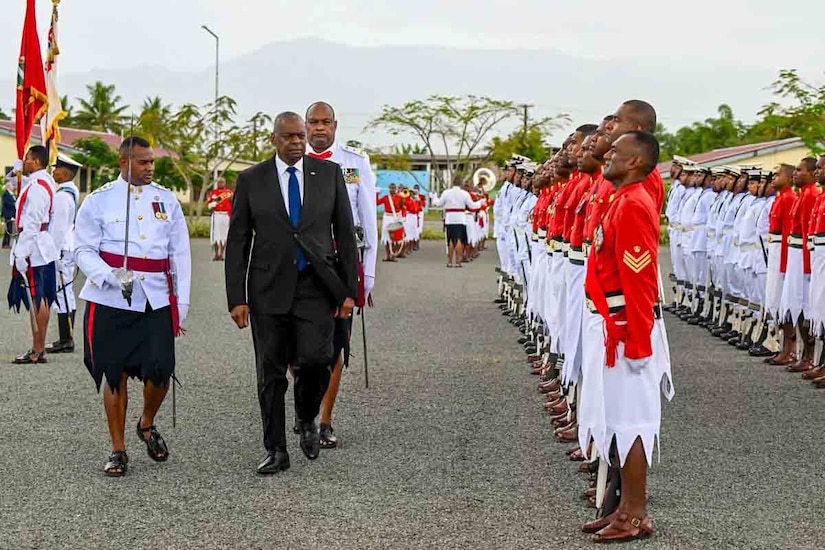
<point>760,351</point>
<point>276,461</point>
<point>61,346</point>
<point>310,441</point>
<point>693,320</point>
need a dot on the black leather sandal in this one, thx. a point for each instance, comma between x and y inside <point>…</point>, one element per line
<point>117,465</point>
<point>328,440</point>
<point>155,445</point>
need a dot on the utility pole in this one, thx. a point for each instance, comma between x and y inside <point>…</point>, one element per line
<point>217,122</point>
<point>525,108</point>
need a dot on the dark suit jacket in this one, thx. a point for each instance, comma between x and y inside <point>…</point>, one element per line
<point>266,279</point>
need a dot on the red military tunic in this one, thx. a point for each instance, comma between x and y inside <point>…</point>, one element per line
<point>599,202</point>
<point>572,203</point>
<point>559,210</point>
<point>800,221</point>
<point>622,281</point>
<point>396,201</point>
<point>779,223</point>
<point>656,187</point>
<point>577,237</point>
<point>220,200</point>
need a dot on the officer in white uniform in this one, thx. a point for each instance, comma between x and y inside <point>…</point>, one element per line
<point>66,201</point>
<point>355,165</point>
<point>34,253</point>
<point>132,334</point>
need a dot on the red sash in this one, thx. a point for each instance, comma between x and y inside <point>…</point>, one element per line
<point>25,195</point>
<point>151,266</point>
<point>613,333</point>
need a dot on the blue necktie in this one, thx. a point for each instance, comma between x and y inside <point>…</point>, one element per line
<point>295,211</point>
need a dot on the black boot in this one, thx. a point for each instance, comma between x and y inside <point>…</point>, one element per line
<point>65,342</point>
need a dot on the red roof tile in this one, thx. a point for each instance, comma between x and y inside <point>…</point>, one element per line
<point>69,135</point>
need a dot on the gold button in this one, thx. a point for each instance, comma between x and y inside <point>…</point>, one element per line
<point>142,236</point>
<point>143,277</point>
<point>140,217</point>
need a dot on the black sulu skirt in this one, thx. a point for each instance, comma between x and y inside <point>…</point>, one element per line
<point>117,341</point>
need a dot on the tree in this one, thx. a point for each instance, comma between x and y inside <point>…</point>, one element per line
<point>712,133</point>
<point>454,126</point>
<point>68,121</point>
<point>533,146</point>
<point>197,152</point>
<point>3,115</point>
<point>804,117</point>
<point>102,111</point>
<point>154,120</point>
<point>99,157</point>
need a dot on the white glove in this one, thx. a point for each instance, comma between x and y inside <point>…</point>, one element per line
<point>369,283</point>
<point>112,280</point>
<point>433,196</point>
<point>183,311</point>
<point>17,166</point>
<point>636,366</point>
<point>22,265</point>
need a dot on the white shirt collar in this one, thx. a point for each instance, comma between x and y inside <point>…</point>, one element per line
<point>282,166</point>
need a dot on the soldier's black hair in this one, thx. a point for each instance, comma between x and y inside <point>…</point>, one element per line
<point>325,104</point>
<point>40,154</point>
<point>643,114</point>
<point>587,129</point>
<point>129,143</point>
<point>648,149</point>
<point>810,163</point>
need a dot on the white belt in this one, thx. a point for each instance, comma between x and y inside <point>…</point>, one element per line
<point>576,255</point>
<point>819,240</point>
<point>795,241</point>
<point>613,303</point>
<point>542,233</point>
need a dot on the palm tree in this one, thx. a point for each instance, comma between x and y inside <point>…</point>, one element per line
<point>68,120</point>
<point>153,122</point>
<point>102,111</point>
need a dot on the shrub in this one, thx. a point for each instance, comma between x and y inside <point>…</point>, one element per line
<point>198,229</point>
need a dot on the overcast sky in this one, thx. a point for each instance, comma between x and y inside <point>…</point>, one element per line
<point>764,34</point>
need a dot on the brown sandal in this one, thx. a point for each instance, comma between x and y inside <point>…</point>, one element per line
<point>625,528</point>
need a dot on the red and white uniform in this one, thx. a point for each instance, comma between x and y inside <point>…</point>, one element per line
<point>796,286</point>
<point>220,203</point>
<point>816,242</point>
<point>394,212</point>
<point>626,365</point>
<point>779,229</point>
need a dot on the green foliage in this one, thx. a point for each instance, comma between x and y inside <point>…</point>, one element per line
<point>712,133</point>
<point>198,228</point>
<point>167,175</point>
<point>99,157</point>
<point>432,234</point>
<point>532,146</point>
<point>102,110</point>
<point>3,115</point>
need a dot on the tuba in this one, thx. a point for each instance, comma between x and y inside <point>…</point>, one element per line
<point>485,178</point>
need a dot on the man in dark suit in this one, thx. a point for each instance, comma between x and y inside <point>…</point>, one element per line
<point>293,213</point>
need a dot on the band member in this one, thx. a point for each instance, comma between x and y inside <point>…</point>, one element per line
<point>455,201</point>
<point>219,203</point>
<point>34,253</point>
<point>422,201</point>
<point>66,200</point>
<point>393,216</point>
<point>355,165</point>
<point>293,281</point>
<point>135,305</point>
<point>621,404</point>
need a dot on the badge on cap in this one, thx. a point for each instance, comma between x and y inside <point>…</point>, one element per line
<point>352,175</point>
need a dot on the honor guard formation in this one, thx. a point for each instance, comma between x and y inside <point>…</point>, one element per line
<point>578,240</point>
<point>748,252</point>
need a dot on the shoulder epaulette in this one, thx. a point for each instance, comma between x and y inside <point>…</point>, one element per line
<point>159,186</point>
<point>104,187</point>
<point>354,150</point>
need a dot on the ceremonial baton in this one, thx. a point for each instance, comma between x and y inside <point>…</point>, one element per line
<point>126,277</point>
<point>359,237</point>
<point>65,301</point>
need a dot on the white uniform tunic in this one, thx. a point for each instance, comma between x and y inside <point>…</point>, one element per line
<point>66,200</point>
<point>35,242</point>
<point>101,226</point>
<point>454,201</point>
<point>361,190</point>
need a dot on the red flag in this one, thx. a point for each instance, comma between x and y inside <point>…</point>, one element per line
<point>31,82</point>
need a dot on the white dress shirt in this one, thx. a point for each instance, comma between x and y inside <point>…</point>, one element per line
<point>455,198</point>
<point>283,178</point>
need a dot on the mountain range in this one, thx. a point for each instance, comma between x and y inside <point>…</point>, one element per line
<point>357,81</point>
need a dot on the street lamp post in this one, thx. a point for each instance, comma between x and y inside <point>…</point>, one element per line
<point>217,122</point>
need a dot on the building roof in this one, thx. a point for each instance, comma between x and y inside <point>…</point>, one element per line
<point>737,154</point>
<point>69,135</point>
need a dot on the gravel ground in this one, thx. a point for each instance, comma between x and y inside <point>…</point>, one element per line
<point>447,449</point>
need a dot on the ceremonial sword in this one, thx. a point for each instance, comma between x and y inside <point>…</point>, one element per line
<point>126,277</point>
<point>359,236</point>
